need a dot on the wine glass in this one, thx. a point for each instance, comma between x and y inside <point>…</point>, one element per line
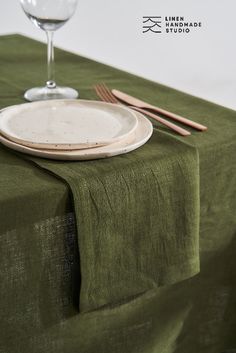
<point>49,15</point>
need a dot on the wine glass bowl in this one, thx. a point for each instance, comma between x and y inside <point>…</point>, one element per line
<point>49,15</point>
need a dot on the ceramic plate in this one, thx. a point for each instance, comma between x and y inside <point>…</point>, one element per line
<point>139,137</point>
<point>67,124</point>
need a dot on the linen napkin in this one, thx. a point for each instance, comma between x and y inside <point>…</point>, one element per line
<point>137,219</point>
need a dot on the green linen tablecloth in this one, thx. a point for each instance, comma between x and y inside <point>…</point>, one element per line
<point>133,266</point>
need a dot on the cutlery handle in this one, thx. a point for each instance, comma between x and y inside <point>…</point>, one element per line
<point>167,123</point>
<point>178,118</point>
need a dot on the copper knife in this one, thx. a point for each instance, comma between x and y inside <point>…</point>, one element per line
<point>143,105</point>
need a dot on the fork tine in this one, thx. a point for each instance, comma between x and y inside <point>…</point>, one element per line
<point>106,93</point>
<point>102,94</point>
<point>99,94</point>
<point>109,93</point>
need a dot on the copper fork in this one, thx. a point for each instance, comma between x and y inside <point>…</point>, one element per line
<point>104,93</point>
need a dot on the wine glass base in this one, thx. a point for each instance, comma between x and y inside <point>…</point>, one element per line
<point>45,93</point>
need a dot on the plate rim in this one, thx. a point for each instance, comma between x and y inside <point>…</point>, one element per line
<point>89,154</point>
<point>67,146</point>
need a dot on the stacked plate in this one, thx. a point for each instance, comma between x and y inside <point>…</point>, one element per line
<point>73,129</point>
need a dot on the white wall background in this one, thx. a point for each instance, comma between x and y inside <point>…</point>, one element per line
<point>201,63</point>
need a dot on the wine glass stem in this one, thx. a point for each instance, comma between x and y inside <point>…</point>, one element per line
<point>51,74</point>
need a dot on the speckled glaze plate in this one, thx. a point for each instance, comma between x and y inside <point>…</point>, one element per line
<point>139,137</point>
<point>67,124</point>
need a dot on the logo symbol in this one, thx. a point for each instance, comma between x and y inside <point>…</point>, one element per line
<point>152,23</point>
